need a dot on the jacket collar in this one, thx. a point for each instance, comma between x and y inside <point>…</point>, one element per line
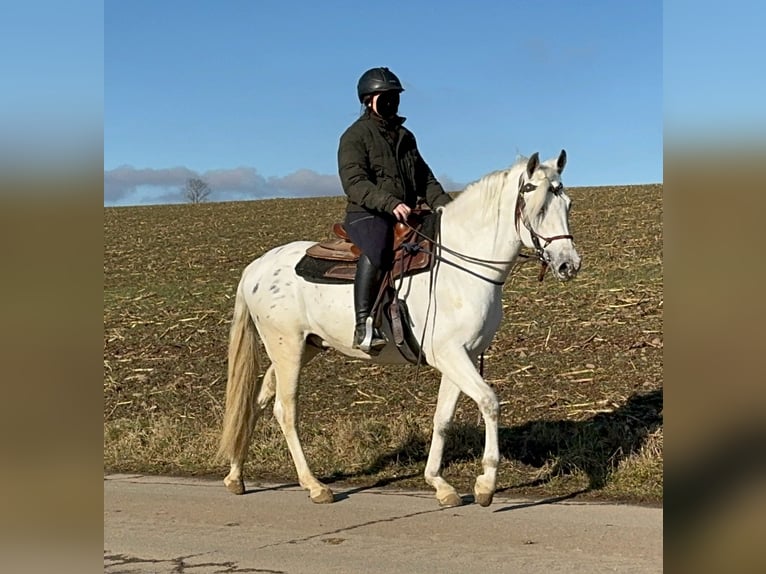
<point>382,123</point>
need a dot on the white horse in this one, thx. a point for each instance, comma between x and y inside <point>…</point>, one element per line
<point>454,312</point>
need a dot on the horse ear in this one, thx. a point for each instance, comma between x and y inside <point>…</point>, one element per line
<point>533,163</point>
<point>562,161</point>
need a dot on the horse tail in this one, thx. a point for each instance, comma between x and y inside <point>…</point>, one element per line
<point>242,385</point>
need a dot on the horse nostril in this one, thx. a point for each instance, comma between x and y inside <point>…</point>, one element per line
<point>564,269</point>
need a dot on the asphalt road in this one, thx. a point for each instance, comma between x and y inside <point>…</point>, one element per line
<point>189,526</point>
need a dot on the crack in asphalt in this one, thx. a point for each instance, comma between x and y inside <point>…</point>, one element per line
<point>351,527</point>
<point>179,565</point>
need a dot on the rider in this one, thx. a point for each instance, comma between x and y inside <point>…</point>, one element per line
<point>384,176</point>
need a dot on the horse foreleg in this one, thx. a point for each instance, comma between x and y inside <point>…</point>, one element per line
<point>445,410</point>
<point>486,484</point>
<point>234,481</point>
<point>463,373</point>
<point>286,412</point>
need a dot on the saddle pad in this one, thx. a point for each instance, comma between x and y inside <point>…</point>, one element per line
<point>327,271</point>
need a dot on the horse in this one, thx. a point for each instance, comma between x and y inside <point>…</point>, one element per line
<point>454,311</point>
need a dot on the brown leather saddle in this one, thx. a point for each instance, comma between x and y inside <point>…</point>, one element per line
<point>412,251</point>
<point>334,261</point>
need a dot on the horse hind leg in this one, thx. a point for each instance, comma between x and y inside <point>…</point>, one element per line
<point>234,481</point>
<point>288,362</point>
<point>445,410</point>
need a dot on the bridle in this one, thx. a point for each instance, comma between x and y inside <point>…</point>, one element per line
<point>521,216</point>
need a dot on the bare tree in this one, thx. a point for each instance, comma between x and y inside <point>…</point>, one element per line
<point>196,190</point>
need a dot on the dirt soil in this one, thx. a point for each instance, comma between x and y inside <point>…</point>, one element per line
<point>572,362</point>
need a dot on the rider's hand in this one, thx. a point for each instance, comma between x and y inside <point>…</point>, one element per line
<point>402,212</point>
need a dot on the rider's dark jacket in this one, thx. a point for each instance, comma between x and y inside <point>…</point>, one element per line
<point>380,166</point>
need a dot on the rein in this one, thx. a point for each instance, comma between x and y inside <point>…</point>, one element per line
<point>415,248</point>
<point>519,215</point>
<point>412,248</point>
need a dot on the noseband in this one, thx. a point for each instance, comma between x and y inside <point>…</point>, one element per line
<point>536,237</point>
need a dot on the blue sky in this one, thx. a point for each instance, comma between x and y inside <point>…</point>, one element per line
<point>253,96</point>
<point>714,73</point>
<point>52,83</point>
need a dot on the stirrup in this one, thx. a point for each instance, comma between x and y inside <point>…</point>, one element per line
<point>371,341</point>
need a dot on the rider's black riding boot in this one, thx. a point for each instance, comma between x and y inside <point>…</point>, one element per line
<point>366,287</point>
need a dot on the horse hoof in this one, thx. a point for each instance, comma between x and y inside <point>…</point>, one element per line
<point>451,500</point>
<point>324,497</point>
<point>235,486</point>
<point>484,498</point>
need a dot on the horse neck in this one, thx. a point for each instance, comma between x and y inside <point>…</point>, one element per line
<point>480,222</point>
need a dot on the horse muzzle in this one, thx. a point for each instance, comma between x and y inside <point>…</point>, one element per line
<point>566,268</point>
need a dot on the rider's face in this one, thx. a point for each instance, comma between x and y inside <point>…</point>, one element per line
<point>386,104</point>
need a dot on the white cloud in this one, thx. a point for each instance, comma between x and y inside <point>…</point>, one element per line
<point>127,185</point>
<point>450,184</point>
<point>296,184</point>
<point>122,185</point>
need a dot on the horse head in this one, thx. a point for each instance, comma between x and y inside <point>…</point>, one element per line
<point>542,207</point>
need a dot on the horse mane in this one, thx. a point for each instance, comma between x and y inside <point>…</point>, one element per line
<point>487,199</point>
<point>486,194</point>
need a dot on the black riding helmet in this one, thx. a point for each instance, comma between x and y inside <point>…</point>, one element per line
<point>377,80</point>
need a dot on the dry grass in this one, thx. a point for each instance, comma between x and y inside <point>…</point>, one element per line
<point>577,366</point>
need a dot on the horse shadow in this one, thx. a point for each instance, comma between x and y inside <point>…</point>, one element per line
<point>593,446</point>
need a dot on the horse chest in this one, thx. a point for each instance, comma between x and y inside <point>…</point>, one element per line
<point>472,316</point>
